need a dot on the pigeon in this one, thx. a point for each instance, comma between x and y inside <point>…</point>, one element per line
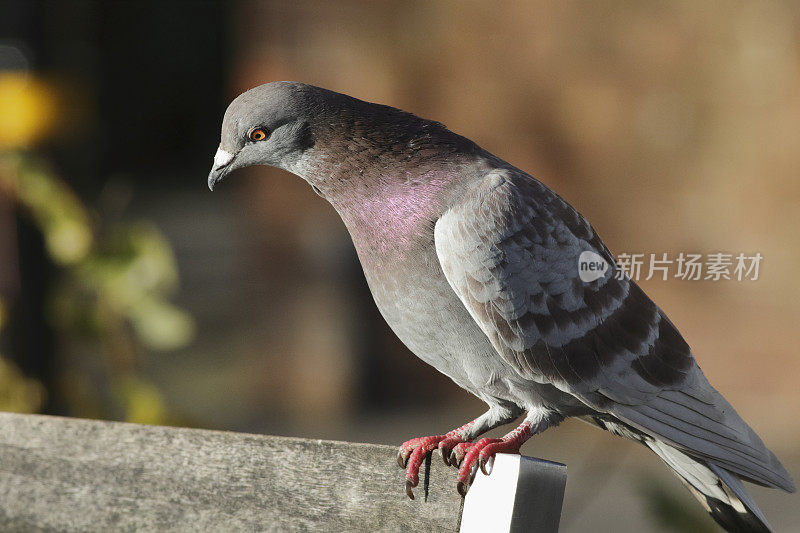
<point>474,264</point>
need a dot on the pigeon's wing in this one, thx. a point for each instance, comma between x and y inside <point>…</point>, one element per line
<point>510,250</point>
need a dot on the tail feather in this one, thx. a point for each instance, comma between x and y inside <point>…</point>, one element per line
<point>720,492</point>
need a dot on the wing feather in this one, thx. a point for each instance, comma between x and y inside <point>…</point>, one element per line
<point>510,251</point>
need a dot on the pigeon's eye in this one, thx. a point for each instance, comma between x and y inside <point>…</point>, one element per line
<point>258,134</point>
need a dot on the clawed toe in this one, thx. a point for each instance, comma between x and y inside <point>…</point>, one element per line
<point>454,459</point>
<point>465,478</point>
<point>402,458</point>
<point>482,456</point>
<point>475,458</point>
<point>445,454</point>
<point>446,449</point>
<point>486,464</point>
<point>459,452</point>
<point>411,455</point>
<point>410,485</point>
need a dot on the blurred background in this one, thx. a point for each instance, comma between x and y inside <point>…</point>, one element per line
<point>129,292</point>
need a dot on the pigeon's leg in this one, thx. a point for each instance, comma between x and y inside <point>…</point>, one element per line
<point>482,453</point>
<point>414,451</point>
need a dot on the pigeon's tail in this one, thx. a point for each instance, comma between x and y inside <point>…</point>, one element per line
<point>720,492</point>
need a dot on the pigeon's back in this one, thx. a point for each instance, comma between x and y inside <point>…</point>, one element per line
<point>511,249</point>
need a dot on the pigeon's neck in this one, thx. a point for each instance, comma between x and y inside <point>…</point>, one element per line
<point>394,214</point>
<point>389,206</point>
<point>369,146</point>
<point>390,175</point>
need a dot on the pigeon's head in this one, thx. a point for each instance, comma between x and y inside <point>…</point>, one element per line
<point>267,125</point>
<point>327,138</point>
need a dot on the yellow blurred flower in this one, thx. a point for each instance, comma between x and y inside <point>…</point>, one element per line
<point>27,109</point>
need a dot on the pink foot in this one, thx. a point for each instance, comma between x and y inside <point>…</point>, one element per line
<point>414,451</point>
<point>411,455</point>
<point>481,454</point>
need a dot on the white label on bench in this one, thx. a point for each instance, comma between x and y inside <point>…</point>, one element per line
<point>489,504</point>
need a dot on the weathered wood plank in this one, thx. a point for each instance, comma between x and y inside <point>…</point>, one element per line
<point>62,474</point>
<point>80,475</point>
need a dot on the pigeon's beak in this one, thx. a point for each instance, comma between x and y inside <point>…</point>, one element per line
<point>222,165</point>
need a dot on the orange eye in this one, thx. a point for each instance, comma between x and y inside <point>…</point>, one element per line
<point>258,134</point>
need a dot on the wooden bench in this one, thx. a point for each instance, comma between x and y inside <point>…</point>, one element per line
<point>84,475</point>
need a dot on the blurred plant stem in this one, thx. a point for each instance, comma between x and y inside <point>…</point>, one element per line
<point>108,306</point>
<point>17,393</point>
